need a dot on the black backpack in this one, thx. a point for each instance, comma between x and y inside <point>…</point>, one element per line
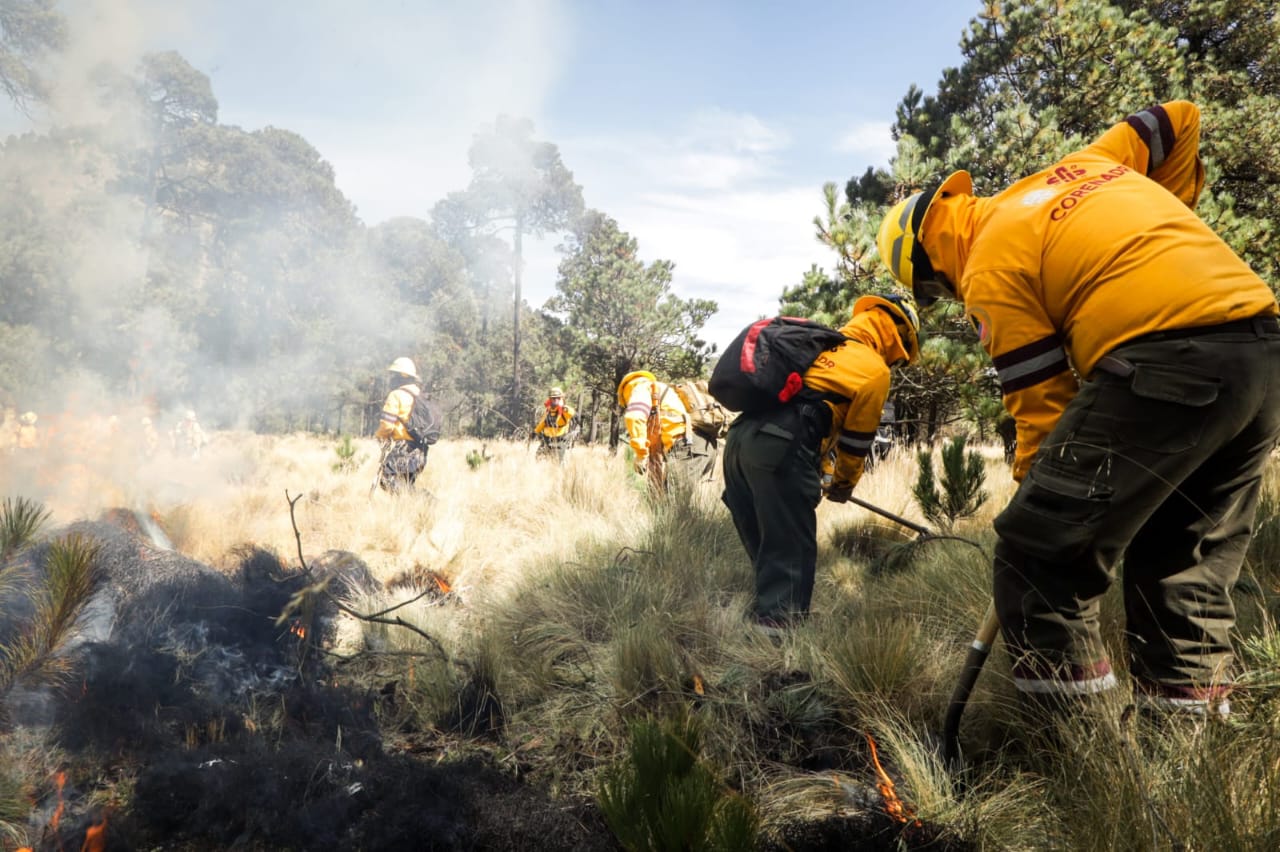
<point>424,420</point>
<point>764,365</point>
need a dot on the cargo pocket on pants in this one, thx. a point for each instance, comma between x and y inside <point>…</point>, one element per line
<point>1167,407</point>
<point>772,446</point>
<point>1053,516</point>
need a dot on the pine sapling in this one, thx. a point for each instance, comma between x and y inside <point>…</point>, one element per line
<point>346,452</point>
<point>961,493</point>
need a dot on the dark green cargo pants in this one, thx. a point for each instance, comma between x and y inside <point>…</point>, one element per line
<point>772,489</point>
<point>1158,460</point>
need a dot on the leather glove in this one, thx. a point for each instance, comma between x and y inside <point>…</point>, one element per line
<point>839,493</point>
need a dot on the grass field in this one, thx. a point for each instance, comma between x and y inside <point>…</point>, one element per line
<point>593,646</point>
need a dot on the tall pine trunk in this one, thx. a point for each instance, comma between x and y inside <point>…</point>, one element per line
<point>515,321</point>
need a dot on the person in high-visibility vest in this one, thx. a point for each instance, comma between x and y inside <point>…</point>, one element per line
<point>27,436</point>
<point>658,428</point>
<point>403,458</point>
<point>1140,357</point>
<point>555,424</point>
<point>780,462</point>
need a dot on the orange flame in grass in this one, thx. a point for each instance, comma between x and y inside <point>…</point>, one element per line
<point>441,583</point>
<point>893,806</point>
<point>95,837</point>
<point>298,630</point>
<point>61,780</point>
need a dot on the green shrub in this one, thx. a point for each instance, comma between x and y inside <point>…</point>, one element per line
<point>662,796</point>
<point>346,452</point>
<point>962,480</point>
<point>20,520</point>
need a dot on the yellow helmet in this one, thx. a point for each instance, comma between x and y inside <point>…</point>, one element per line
<point>556,393</point>
<point>29,418</point>
<point>899,244</point>
<point>906,318</point>
<point>404,366</point>
<point>628,379</point>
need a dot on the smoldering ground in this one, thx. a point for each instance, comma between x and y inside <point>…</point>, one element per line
<point>236,730</point>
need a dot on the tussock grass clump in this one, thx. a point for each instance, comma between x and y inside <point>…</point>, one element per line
<point>14,807</point>
<point>872,660</point>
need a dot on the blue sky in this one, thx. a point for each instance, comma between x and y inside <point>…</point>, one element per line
<point>705,128</point>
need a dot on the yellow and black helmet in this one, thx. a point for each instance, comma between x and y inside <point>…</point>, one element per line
<point>899,239</point>
<point>906,318</point>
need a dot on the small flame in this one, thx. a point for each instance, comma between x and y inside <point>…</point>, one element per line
<point>893,806</point>
<point>297,629</point>
<point>61,780</point>
<point>441,583</point>
<point>95,837</point>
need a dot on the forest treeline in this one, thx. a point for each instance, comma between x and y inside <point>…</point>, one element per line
<point>151,254</point>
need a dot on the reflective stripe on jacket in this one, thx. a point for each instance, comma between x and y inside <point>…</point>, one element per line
<point>1099,248</point>
<point>636,417</point>
<point>857,371</point>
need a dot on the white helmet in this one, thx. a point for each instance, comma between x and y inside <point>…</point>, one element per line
<point>404,366</point>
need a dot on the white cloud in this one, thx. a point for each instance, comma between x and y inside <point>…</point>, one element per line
<point>870,140</point>
<point>735,131</point>
<point>706,196</point>
<point>740,248</point>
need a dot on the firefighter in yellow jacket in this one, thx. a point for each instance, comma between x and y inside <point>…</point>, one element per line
<point>403,458</point>
<point>658,427</point>
<point>27,436</point>
<point>772,477</point>
<point>1140,358</point>
<point>555,424</point>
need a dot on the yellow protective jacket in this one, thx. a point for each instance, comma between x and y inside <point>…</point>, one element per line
<point>555,423</point>
<point>395,413</point>
<point>1097,249</point>
<point>638,396</point>
<point>857,371</point>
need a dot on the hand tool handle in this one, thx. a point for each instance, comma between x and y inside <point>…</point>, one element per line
<point>978,652</point>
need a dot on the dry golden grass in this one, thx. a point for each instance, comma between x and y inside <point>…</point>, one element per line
<point>477,526</point>
<point>585,604</point>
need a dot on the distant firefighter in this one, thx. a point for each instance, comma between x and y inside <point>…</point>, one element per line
<point>148,437</point>
<point>407,427</point>
<point>555,425</point>
<point>27,436</point>
<point>188,437</point>
<point>658,428</point>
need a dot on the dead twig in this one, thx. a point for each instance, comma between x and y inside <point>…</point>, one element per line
<point>296,534</point>
<point>304,601</point>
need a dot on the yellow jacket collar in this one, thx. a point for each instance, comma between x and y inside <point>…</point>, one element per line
<point>948,231</point>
